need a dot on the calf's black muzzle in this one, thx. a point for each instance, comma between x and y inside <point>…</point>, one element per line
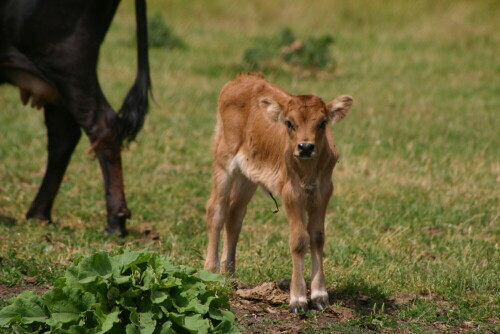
<point>306,150</point>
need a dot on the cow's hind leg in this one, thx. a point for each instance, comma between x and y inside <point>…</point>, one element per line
<point>108,150</point>
<point>217,213</point>
<point>63,134</point>
<point>242,192</point>
<point>101,123</point>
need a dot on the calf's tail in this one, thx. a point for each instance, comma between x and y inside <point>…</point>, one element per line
<point>135,105</point>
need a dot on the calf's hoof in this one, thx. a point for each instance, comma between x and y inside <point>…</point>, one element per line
<point>319,300</point>
<point>298,305</point>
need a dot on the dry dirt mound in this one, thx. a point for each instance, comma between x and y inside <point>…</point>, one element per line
<point>264,309</point>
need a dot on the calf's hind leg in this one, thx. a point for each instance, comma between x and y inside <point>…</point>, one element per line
<point>217,213</point>
<point>241,194</point>
<point>63,134</point>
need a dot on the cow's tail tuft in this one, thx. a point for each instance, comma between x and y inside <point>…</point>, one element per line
<point>135,106</point>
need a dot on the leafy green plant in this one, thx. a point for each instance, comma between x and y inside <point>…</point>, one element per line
<point>285,48</point>
<point>129,292</point>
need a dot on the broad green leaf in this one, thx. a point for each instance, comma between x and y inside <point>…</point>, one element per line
<point>216,302</point>
<point>187,301</point>
<point>196,324</point>
<point>177,318</point>
<point>75,329</point>
<point>130,296</point>
<point>193,286</point>
<point>109,320</point>
<point>228,315</point>
<point>148,279</point>
<point>130,259</point>
<point>134,317</point>
<point>58,319</point>
<point>166,328</point>
<point>70,278</point>
<point>146,323</point>
<point>170,282</point>
<point>226,319</point>
<point>193,323</point>
<point>208,276</point>
<point>26,309</point>
<point>122,279</point>
<point>180,271</point>
<point>121,262</point>
<point>97,265</point>
<point>159,296</point>
<point>68,300</point>
<point>15,328</point>
<point>132,329</point>
<point>207,299</point>
<point>215,314</point>
<point>226,327</point>
<point>166,308</point>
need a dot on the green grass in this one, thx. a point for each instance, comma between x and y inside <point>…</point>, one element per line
<point>416,205</point>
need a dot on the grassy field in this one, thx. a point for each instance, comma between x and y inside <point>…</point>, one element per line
<point>414,221</point>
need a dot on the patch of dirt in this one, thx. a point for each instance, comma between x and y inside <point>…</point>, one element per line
<point>7,292</point>
<point>434,230</point>
<point>145,233</point>
<point>264,309</point>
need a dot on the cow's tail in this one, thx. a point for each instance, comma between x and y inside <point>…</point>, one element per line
<point>135,106</point>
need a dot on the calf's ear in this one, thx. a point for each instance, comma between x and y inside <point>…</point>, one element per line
<point>339,107</point>
<point>271,106</point>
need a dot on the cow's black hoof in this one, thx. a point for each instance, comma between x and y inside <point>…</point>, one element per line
<point>43,217</point>
<point>115,232</point>
<point>298,306</point>
<point>116,224</point>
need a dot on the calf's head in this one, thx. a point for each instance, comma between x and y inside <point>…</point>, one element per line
<point>306,118</point>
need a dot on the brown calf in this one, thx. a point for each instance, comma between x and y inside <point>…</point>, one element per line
<point>265,136</point>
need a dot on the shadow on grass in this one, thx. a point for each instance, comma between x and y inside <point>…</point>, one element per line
<point>7,221</point>
<point>361,297</point>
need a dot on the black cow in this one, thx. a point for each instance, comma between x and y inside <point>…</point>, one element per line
<point>49,49</point>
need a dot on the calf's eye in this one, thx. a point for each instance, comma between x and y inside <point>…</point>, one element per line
<point>289,125</point>
<point>323,124</point>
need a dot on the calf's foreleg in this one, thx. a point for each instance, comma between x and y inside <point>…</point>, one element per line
<point>299,245</point>
<point>316,229</point>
